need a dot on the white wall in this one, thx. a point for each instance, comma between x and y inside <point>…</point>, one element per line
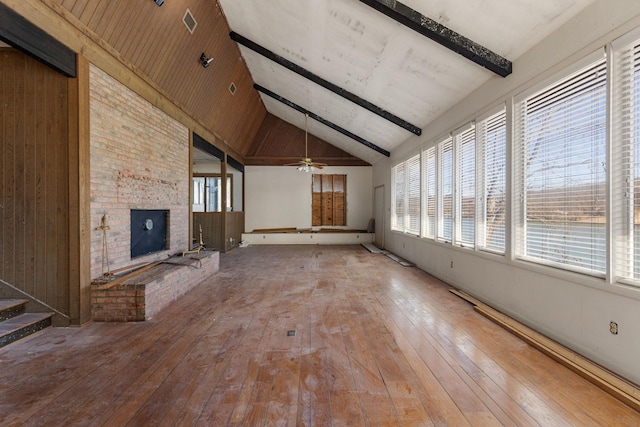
<point>280,196</point>
<point>571,308</point>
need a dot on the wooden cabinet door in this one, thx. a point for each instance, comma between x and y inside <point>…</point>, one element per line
<point>328,199</point>
<point>316,200</point>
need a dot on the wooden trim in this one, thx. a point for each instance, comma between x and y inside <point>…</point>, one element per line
<point>127,276</point>
<point>79,196</point>
<point>613,384</point>
<point>23,35</point>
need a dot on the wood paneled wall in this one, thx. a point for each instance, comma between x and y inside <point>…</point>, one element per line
<point>278,142</point>
<point>212,229</point>
<point>234,228</point>
<point>155,40</point>
<point>34,179</point>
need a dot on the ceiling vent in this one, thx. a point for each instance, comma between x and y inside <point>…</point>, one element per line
<point>189,21</point>
<point>232,88</point>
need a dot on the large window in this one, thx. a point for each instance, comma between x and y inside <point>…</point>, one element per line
<point>492,146</point>
<point>445,187</point>
<point>561,171</point>
<point>407,196</point>
<point>429,193</point>
<point>626,155</point>
<point>465,204</point>
<point>399,201</point>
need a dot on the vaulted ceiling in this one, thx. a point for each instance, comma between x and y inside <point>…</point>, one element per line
<point>364,70</point>
<point>319,56</point>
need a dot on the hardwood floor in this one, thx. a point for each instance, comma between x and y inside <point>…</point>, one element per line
<point>375,344</point>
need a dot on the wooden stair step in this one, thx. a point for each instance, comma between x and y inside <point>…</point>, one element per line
<point>11,308</point>
<point>21,326</point>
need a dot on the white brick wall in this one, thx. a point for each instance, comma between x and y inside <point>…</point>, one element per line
<point>139,160</point>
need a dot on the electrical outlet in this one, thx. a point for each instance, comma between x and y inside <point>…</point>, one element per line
<point>613,327</point>
<point>451,264</point>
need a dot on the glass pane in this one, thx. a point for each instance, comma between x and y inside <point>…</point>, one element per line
<point>198,194</point>
<point>565,175</point>
<point>214,194</point>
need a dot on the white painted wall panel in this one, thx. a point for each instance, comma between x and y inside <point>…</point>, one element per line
<point>279,197</point>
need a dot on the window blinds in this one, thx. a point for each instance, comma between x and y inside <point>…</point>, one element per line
<point>413,192</point>
<point>429,177</point>
<point>626,157</point>
<point>465,143</point>
<point>492,146</point>
<point>445,198</point>
<point>562,171</point>
<point>399,212</point>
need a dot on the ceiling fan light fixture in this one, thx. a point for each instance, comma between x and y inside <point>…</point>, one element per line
<point>306,164</point>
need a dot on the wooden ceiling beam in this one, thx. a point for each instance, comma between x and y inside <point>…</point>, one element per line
<point>442,35</point>
<point>321,120</point>
<point>324,83</point>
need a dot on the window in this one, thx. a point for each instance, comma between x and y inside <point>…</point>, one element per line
<point>407,196</point>
<point>465,217</point>
<point>561,171</point>
<point>429,178</point>
<point>491,134</point>
<point>445,187</point>
<point>626,155</point>
<point>399,199</point>
<point>413,192</point>
<point>207,193</point>
<point>328,199</point>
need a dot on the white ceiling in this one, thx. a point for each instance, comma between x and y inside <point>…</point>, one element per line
<point>367,53</point>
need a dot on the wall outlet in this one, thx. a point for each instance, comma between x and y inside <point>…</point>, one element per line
<point>451,264</point>
<point>613,327</point>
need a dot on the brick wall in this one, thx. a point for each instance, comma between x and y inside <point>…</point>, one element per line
<point>141,297</point>
<point>139,160</point>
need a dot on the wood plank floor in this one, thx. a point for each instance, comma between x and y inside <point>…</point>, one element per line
<point>375,344</point>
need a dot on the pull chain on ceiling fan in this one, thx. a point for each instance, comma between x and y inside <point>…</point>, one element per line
<point>306,164</point>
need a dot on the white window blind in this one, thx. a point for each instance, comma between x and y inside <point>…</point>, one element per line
<point>492,146</point>
<point>413,192</point>
<point>429,183</point>
<point>465,143</point>
<point>561,161</point>
<point>445,196</point>
<point>626,157</point>
<point>398,205</point>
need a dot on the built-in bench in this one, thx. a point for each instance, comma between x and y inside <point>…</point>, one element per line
<point>141,294</point>
<point>306,236</point>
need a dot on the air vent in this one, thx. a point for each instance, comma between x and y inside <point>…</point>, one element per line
<point>232,88</point>
<point>189,21</point>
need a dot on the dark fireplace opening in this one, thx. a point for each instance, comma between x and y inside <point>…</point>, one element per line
<point>148,231</point>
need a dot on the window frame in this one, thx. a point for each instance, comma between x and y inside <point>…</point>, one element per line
<point>519,192</point>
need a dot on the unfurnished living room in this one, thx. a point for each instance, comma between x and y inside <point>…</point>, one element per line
<point>342,212</point>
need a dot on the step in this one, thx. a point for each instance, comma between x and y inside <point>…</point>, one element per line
<point>21,326</point>
<point>11,308</point>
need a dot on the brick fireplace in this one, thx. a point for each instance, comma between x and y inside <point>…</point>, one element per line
<point>139,160</point>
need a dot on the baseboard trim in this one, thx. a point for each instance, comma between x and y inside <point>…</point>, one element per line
<point>613,384</point>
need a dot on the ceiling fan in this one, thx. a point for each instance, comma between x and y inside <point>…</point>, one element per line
<point>306,164</point>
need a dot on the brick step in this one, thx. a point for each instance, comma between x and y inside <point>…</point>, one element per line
<point>11,308</point>
<point>23,325</point>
